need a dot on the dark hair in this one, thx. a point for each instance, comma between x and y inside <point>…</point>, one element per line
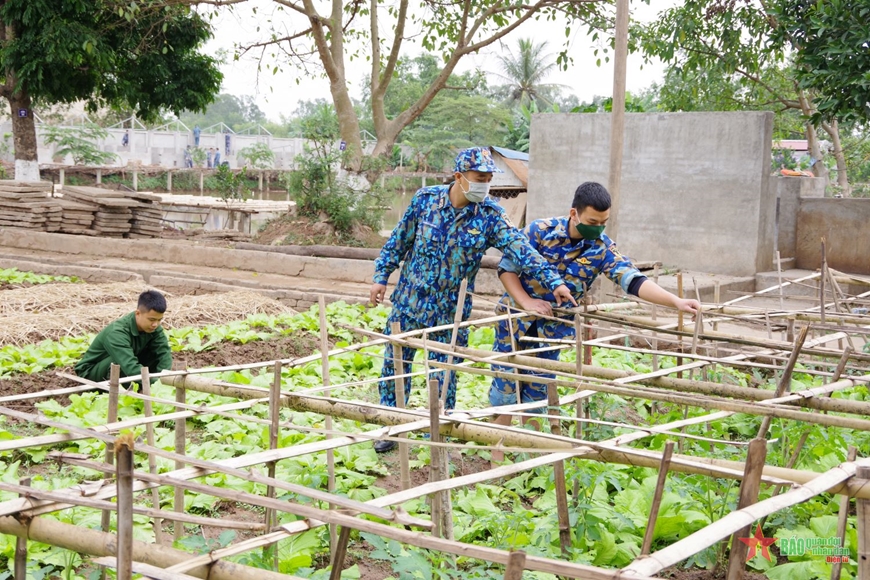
<point>591,193</point>
<point>151,300</point>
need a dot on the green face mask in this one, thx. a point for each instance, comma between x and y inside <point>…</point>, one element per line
<point>588,232</point>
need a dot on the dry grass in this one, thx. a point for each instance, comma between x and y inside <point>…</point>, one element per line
<point>78,318</point>
<point>50,297</point>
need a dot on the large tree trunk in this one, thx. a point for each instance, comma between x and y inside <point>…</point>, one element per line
<point>348,123</point>
<point>819,169</point>
<point>24,135</point>
<point>833,130</point>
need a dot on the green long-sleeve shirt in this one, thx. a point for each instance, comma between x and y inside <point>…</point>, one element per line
<point>122,343</point>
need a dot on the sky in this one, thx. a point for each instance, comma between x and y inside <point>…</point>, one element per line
<point>278,94</point>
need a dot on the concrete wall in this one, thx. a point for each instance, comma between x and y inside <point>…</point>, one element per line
<point>789,191</point>
<point>845,225</point>
<point>694,185</point>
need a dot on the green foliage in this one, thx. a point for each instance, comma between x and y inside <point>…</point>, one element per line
<point>79,142</point>
<point>524,73</point>
<point>142,54</point>
<point>319,188</point>
<point>258,155</point>
<point>831,53</point>
<point>15,276</point>
<point>198,155</point>
<point>237,112</point>
<point>232,185</point>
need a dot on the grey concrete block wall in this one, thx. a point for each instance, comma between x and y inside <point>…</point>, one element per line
<point>845,225</point>
<point>695,191</point>
<point>789,191</point>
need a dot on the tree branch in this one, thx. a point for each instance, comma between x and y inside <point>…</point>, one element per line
<point>296,7</point>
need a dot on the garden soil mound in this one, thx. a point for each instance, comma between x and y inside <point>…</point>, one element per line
<point>89,313</point>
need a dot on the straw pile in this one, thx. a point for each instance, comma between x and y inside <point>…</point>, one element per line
<point>77,319</point>
<point>49,297</point>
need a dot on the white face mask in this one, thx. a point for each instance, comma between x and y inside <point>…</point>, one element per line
<point>476,191</point>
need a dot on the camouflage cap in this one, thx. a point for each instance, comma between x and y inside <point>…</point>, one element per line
<point>475,159</point>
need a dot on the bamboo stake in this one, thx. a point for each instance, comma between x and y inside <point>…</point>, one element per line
<point>330,455</point>
<point>822,282</point>
<point>515,566</point>
<point>457,320</point>
<point>680,323</point>
<point>842,518</point>
<point>785,380</point>
<point>655,341</point>
<point>862,518</point>
<point>180,449</point>
<point>578,370</point>
<point>340,553</point>
<point>748,495</point>
<point>559,473</point>
<point>112,416</point>
<point>435,458</point>
<point>779,279</point>
<point>271,466</point>
<point>398,363</point>
<point>657,498</point>
<point>20,569</point>
<point>124,451</point>
<point>157,524</point>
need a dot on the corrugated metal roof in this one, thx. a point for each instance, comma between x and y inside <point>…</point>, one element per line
<point>510,153</point>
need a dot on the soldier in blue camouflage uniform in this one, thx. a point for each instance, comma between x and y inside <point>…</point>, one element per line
<point>442,238</point>
<point>579,250</point>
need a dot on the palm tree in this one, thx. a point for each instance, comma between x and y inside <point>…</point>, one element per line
<point>524,73</point>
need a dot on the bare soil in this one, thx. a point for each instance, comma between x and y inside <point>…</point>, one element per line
<point>293,230</point>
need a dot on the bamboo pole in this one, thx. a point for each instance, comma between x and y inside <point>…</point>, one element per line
<point>112,416</point>
<point>340,553</point>
<point>157,523</point>
<point>96,543</point>
<point>435,451</point>
<point>749,487</point>
<point>559,474</point>
<point>842,518</point>
<point>785,380</point>
<point>124,452</point>
<point>398,363</point>
<point>862,519</point>
<point>457,320</point>
<point>271,466</point>
<point>617,112</point>
<point>180,449</point>
<point>822,282</point>
<point>20,566</point>
<point>779,279</point>
<point>515,566</point>
<point>657,498</point>
<point>330,455</point>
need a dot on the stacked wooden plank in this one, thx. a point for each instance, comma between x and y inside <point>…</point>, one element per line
<point>113,210</point>
<point>147,216</point>
<point>27,204</point>
<point>77,217</point>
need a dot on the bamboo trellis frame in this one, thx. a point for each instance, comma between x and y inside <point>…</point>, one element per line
<point>719,401</point>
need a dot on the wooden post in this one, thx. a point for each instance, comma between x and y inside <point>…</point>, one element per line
<point>559,473</point>
<point>201,188</point>
<point>842,517</point>
<point>169,181</point>
<point>112,416</point>
<point>260,183</point>
<point>578,369</point>
<point>99,176</point>
<point>657,498</point>
<point>717,288</point>
<point>863,523</point>
<point>617,114</point>
<point>654,343</point>
<point>157,523</point>
<point>274,418</point>
<point>124,478</point>
<point>404,466</point>
<point>61,177</point>
<point>340,553</point>
<point>515,566</point>
<point>135,180</point>
<point>21,545</point>
<point>749,487</point>
<point>330,454</point>
<point>785,380</point>
<point>180,448</point>
<point>779,277</point>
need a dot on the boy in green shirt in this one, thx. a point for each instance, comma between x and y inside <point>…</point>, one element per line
<point>133,341</point>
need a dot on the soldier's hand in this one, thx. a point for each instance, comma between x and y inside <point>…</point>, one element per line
<point>539,307</point>
<point>688,305</point>
<point>377,294</point>
<point>562,294</point>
